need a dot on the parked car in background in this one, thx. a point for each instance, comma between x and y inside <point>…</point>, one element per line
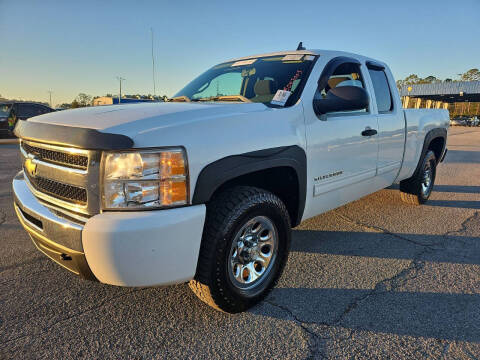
<point>458,121</point>
<point>473,121</point>
<point>11,112</point>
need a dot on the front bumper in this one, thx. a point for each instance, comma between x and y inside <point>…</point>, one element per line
<point>141,248</point>
<point>58,238</point>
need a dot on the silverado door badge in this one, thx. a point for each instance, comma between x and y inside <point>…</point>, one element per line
<point>327,176</point>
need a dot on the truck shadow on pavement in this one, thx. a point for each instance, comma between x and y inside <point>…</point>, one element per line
<point>464,204</point>
<point>459,189</point>
<point>403,284</point>
<point>464,189</point>
<point>462,157</point>
<point>434,248</point>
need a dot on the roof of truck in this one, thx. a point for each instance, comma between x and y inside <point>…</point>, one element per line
<point>330,53</point>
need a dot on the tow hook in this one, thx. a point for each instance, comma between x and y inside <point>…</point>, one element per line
<point>65,257</point>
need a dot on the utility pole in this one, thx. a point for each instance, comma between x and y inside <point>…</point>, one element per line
<point>153,66</point>
<point>50,93</point>
<point>120,79</point>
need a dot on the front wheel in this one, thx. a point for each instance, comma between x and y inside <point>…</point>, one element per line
<point>418,188</point>
<point>244,248</point>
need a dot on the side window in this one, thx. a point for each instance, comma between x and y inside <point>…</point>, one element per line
<point>346,74</point>
<point>26,110</point>
<point>382,90</point>
<point>40,109</point>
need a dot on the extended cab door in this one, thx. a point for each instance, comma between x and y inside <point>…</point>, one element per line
<point>391,124</point>
<point>341,155</point>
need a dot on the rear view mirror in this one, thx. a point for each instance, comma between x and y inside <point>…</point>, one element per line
<point>342,98</point>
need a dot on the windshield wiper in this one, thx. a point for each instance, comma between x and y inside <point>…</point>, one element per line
<point>224,98</point>
<point>181,98</point>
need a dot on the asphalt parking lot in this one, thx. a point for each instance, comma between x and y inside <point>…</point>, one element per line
<point>372,279</point>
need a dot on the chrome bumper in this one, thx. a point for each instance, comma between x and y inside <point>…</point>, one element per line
<point>44,223</point>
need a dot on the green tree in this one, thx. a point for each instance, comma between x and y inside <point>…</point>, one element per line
<point>82,100</point>
<point>412,79</point>
<point>430,79</point>
<point>409,80</point>
<point>471,75</point>
<point>64,106</point>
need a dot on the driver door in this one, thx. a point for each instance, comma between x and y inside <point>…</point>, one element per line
<point>341,161</point>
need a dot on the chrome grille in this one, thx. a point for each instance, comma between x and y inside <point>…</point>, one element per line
<point>64,177</point>
<point>66,192</point>
<point>58,157</point>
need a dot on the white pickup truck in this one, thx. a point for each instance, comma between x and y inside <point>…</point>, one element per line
<point>205,188</point>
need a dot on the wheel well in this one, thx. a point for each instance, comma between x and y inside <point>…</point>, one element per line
<point>437,145</point>
<point>281,181</point>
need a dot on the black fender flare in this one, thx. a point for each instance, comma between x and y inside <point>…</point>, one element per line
<point>432,134</point>
<point>407,185</point>
<point>216,174</point>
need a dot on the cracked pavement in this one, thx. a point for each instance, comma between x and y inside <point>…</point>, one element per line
<point>374,279</point>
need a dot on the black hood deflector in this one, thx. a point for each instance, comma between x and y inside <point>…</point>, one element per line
<point>76,137</point>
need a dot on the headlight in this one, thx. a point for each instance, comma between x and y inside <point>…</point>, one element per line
<point>144,179</point>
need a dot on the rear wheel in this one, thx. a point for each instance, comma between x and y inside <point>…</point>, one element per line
<point>245,245</point>
<point>418,188</point>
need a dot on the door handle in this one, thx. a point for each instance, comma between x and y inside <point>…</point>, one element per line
<point>369,132</point>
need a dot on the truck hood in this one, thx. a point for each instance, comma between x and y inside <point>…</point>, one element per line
<point>133,119</point>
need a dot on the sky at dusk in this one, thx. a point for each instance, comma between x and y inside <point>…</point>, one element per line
<point>70,47</point>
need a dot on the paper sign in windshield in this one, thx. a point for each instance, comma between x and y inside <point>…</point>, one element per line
<point>281,97</point>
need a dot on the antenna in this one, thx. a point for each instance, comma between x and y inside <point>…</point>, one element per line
<point>300,46</point>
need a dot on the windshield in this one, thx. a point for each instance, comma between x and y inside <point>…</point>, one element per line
<point>5,109</point>
<point>252,80</point>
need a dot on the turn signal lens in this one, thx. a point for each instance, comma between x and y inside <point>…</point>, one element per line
<point>173,192</point>
<point>171,164</point>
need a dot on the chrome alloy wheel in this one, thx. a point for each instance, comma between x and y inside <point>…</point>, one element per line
<point>427,180</point>
<point>253,252</point>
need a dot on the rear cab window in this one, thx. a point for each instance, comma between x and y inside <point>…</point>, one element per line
<point>381,88</point>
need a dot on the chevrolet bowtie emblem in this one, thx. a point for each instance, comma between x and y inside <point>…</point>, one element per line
<point>30,167</point>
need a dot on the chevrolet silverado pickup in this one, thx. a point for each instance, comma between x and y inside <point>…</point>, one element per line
<point>206,187</point>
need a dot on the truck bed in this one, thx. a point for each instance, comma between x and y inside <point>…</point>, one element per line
<point>418,122</point>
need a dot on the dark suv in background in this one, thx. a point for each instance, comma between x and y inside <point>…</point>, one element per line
<point>10,112</point>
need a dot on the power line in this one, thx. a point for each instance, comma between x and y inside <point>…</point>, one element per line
<point>50,93</point>
<point>120,79</point>
<point>153,65</point>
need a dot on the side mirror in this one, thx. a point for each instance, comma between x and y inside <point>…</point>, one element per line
<point>342,98</point>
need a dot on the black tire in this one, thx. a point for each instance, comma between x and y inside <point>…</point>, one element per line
<point>227,214</point>
<point>414,190</point>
